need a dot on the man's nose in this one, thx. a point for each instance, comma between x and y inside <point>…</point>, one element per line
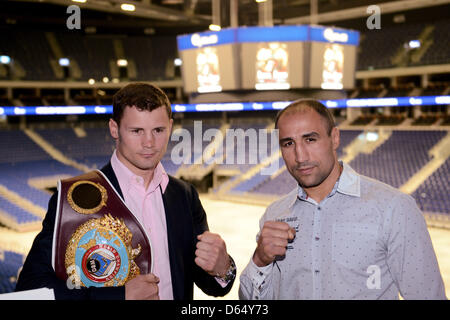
<point>148,140</point>
<point>301,153</point>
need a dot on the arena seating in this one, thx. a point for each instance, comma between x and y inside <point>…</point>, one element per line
<point>396,160</point>
<point>92,150</point>
<point>153,56</point>
<point>31,51</point>
<point>438,52</point>
<point>92,53</point>
<point>16,217</point>
<point>425,120</point>
<point>252,184</point>
<point>434,89</point>
<point>433,194</point>
<point>10,263</point>
<point>25,160</point>
<point>197,148</point>
<point>375,41</point>
<point>250,149</point>
<point>150,55</point>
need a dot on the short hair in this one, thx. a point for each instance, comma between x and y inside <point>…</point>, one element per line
<point>316,105</point>
<point>143,96</point>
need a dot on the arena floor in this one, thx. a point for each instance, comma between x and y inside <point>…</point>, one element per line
<point>237,223</point>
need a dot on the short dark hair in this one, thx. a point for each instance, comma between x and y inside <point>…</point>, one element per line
<point>316,105</point>
<point>143,96</point>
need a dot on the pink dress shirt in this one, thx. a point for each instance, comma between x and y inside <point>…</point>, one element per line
<point>147,205</point>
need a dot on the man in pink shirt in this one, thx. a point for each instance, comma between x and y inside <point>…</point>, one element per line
<point>184,252</point>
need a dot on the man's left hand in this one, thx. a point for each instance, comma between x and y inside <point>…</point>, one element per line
<point>211,254</point>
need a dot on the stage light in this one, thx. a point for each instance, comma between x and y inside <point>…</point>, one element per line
<point>5,59</point>
<point>64,62</point>
<point>178,62</point>
<point>214,27</point>
<point>414,44</point>
<point>122,62</point>
<point>372,136</point>
<point>128,7</point>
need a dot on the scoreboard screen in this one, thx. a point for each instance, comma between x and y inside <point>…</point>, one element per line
<point>209,62</point>
<point>272,58</point>
<point>268,58</point>
<point>333,58</point>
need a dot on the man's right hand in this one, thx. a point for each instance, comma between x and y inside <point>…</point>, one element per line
<point>142,287</point>
<point>272,242</point>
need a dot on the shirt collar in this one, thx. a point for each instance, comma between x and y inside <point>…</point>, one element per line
<point>125,175</point>
<point>348,183</point>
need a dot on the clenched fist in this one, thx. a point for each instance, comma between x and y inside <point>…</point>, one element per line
<point>142,287</point>
<point>211,254</point>
<point>272,242</point>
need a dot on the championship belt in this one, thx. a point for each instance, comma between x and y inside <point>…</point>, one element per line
<point>97,240</point>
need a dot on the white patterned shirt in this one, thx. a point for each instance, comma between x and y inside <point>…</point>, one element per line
<point>365,240</point>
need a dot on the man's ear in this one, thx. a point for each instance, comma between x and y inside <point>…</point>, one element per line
<point>335,138</point>
<point>170,125</point>
<point>113,129</point>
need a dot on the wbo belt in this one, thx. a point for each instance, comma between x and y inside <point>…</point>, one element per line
<point>97,240</point>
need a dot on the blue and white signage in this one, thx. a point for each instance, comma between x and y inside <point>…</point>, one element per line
<point>268,34</point>
<point>235,106</point>
<point>333,35</point>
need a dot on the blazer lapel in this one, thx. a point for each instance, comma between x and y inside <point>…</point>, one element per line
<point>109,173</point>
<point>174,230</point>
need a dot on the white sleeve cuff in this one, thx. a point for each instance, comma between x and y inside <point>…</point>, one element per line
<point>259,275</point>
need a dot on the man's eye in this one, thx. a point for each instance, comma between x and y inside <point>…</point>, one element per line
<point>287,144</point>
<point>136,131</point>
<point>159,130</point>
<point>310,139</point>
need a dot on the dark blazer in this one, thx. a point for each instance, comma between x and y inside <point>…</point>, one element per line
<point>185,220</point>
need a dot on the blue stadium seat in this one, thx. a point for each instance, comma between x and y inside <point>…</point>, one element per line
<point>10,263</point>
<point>399,158</point>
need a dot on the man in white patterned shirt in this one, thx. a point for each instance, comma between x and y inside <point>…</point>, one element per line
<point>338,235</point>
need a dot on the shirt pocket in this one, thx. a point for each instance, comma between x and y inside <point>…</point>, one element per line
<point>354,245</point>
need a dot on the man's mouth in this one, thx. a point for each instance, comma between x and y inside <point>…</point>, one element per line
<point>147,155</point>
<point>305,170</point>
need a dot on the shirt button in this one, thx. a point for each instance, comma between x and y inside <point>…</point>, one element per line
<point>316,272</point>
<point>317,238</point>
<point>319,208</point>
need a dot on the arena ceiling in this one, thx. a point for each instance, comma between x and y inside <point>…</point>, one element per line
<point>185,16</point>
